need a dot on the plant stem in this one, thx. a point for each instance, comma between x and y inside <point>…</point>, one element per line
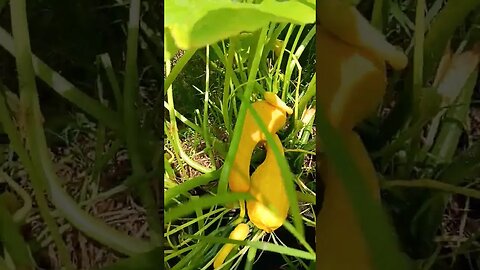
<point>132,125</point>
<point>30,110</point>
<point>60,199</point>
<point>206,134</point>
<point>432,184</point>
<point>65,88</point>
<point>178,68</point>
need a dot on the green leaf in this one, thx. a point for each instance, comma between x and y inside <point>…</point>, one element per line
<point>190,184</point>
<point>202,203</point>
<point>170,47</point>
<point>194,24</point>
<point>265,246</point>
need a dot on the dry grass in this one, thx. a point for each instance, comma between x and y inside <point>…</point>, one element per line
<point>73,164</point>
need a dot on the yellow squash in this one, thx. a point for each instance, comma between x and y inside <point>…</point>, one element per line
<point>239,233</point>
<point>340,243</point>
<point>273,112</point>
<point>351,83</point>
<point>268,189</point>
<point>266,184</point>
<point>343,20</point>
<point>351,56</point>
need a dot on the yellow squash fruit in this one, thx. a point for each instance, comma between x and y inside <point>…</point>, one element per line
<point>343,20</point>
<point>272,112</point>
<point>351,70</point>
<point>351,81</point>
<point>351,56</point>
<point>340,242</point>
<point>268,189</point>
<point>239,233</point>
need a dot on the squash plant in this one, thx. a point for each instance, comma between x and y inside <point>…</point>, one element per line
<point>24,125</point>
<point>247,76</point>
<point>352,223</point>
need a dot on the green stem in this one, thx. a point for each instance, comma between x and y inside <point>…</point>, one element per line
<point>453,124</point>
<point>130,89</point>
<point>303,197</point>
<point>178,68</point>
<point>289,71</point>
<point>296,56</point>
<point>87,224</point>
<point>184,119</point>
<point>309,94</point>
<point>418,49</point>
<point>132,125</point>
<point>107,65</point>
<point>226,88</point>
<point>377,14</point>
<point>190,184</point>
<point>432,184</point>
<point>30,111</point>
<point>206,134</point>
<point>278,63</point>
<point>65,88</point>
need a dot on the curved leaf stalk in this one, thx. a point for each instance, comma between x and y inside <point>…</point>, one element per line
<point>433,184</point>
<point>132,125</point>
<point>309,93</point>
<point>181,63</point>
<point>289,70</point>
<point>275,31</point>
<point>278,64</point>
<point>65,88</point>
<point>226,88</point>
<point>190,184</point>
<point>30,110</point>
<point>297,54</point>
<point>184,119</point>
<point>225,59</point>
<point>40,168</point>
<point>177,152</point>
<point>171,130</point>
<point>205,132</point>
<point>117,93</point>
<point>453,125</point>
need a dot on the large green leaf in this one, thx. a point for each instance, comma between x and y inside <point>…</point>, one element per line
<point>194,24</point>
